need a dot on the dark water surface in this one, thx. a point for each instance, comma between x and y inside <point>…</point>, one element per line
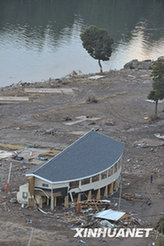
<point>40,38</point>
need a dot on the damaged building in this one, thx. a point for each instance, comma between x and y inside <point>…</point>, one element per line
<point>89,168</point>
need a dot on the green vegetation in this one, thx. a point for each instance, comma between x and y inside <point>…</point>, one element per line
<point>160,225</point>
<point>158,84</point>
<point>160,241</point>
<point>98,43</point>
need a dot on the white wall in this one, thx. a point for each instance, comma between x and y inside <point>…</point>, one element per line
<point>98,184</point>
<point>23,188</point>
<point>39,183</point>
<point>82,188</point>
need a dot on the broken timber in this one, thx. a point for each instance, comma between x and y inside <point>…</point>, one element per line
<point>5,99</point>
<point>94,204</point>
<point>50,90</point>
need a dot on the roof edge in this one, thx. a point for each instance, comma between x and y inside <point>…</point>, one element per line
<point>58,155</point>
<point>72,180</point>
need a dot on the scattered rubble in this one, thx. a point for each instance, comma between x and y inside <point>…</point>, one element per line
<point>109,122</point>
<point>91,99</point>
<point>5,154</point>
<point>95,205</point>
<point>159,136</point>
<point>113,106</point>
<point>50,153</point>
<point>80,119</point>
<point>145,143</point>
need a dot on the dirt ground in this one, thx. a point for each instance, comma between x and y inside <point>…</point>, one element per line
<point>122,112</point>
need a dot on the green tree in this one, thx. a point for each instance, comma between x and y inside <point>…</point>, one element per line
<point>160,225</point>
<point>98,43</point>
<point>160,241</point>
<point>158,84</point>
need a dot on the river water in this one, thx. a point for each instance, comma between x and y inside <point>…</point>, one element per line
<point>40,39</point>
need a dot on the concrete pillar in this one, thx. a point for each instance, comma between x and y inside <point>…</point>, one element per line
<point>79,197</point>
<point>111,188</point>
<point>89,195</point>
<point>52,200</point>
<point>55,198</point>
<point>106,191</point>
<point>66,201</point>
<point>121,162</point>
<point>115,186</point>
<point>48,201</point>
<point>98,195</point>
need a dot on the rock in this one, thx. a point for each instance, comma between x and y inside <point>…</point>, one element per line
<point>92,123</point>
<point>109,123</point>
<point>160,59</point>
<point>91,99</point>
<point>132,64</point>
<point>81,241</point>
<point>67,118</point>
<point>140,65</point>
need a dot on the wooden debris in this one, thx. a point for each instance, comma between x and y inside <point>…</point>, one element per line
<point>50,153</point>
<point>94,204</point>
<point>50,90</point>
<point>9,99</point>
<point>128,197</point>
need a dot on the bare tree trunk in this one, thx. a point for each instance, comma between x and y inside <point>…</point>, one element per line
<point>101,70</point>
<point>156,107</point>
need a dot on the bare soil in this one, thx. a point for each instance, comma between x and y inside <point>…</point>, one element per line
<point>40,122</point>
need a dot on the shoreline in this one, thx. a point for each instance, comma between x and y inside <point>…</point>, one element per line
<point>131,65</point>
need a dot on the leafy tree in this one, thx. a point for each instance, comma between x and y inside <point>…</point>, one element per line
<point>158,84</point>
<point>160,225</point>
<point>98,44</point>
<point>160,241</point>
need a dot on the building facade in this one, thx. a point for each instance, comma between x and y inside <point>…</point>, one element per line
<point>88,169</point>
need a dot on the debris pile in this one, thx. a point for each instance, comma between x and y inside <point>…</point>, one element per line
<point>129,197</point>
<point>45,132</point>
<point>95,205</point>
<point>50,153</point>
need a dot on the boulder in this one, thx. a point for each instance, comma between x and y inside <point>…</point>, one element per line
<point>139,65</point>
<point>160,59</point>
<point>132,64</point>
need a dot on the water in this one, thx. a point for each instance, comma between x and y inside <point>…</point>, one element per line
<point>40,39</point>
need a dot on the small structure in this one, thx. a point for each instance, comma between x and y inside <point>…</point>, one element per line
<point>111,215</point>
<point>88,169</point>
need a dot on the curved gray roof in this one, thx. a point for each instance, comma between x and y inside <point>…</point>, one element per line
<point>89,155</point>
